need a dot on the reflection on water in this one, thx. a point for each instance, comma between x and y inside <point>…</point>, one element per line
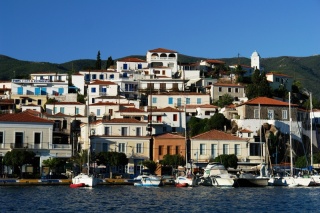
<point>157,199</point>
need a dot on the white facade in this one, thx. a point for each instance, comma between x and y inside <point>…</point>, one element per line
<point>163,58</point>
<point>101,88</point>
<point>51,77</point>
<point>178,100</point>
<point>67,108</point>
<point>255,60</point>
<point>277,80</point>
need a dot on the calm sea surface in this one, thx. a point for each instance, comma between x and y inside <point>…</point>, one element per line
<point>160,199</point>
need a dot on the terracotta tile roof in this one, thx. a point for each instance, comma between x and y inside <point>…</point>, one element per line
<point>111,104</point>
<point>6,101</point>
<point>245,131</point>
<point>213,61</point>
<point>278,74</point>
<point>132,60</point>
<point>166,109</point>
<point>162,50</point>
<point>131,109</point>
<point>227,85</point>
<point>216,135</point>
<point>170,135</point>
<point>182,93</point>
<point>23,118</point>
<point>99,71</point>
<point>123,120</point>
<point>66,103</point>
<point>32,112</point>
<point>267,101</point>
<point>98,82</point>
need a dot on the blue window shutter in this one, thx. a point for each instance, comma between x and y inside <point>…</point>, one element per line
<point>139,66</point>
<point>37,91</point>
<point>61,90</point>
<point>125,66</point>
<point>20,90</point>
<point>170,100</point>
<point>43,91</point>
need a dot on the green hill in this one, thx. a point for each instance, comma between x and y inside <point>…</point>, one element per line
<point>303,69</point>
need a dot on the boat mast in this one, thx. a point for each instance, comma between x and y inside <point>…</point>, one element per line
<point>290,136</point>
<point>311,130</point>
<point>88,129</point>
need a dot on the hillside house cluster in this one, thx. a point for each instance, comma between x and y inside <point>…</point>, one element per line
<point>139,108</point>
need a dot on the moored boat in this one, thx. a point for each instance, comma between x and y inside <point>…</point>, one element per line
<point>87,180</point>
<point>77,185</point>
<point>185,181</point>
<point>149,180</point>
<point>215,174</point>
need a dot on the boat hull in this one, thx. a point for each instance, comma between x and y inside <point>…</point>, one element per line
<point>77,185</point>
<point>222,182</point>
<point>85,179</point>
<point>182,181</point>
<point>251,182</point>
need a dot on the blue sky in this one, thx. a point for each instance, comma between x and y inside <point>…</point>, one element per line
<point>63,30</point>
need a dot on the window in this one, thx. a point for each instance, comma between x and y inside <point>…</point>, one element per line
<point>93,89</point>
<point>87,77</point>
<point>37,138</point>
<point>112,76</point>
<point>177,150</point>
<point>284,114</point>
<point>214,151</point>
<point>139,148</point>
<point>105,147</point>
<point>125,66</point>
<point>20,91</point>
<point>160,150</point>
<point>256,113</point>
<point>270,114</point>
<point>236,90</point>
<point>220,89</point>
<point>139,66</point>
<point>19,140</point>
<point>202,149</point>
<point>1,137</point>
<point>107,130</point>
<point>121,147</point>
<point>198,100</point>
<point>226,149</point>
<point>138,131</point>
<point>229,89</point>
<point>187,100</point>
<point>62,109</point>
<point>77,111</point>
<point>237,150</point>
<point>39,101</point>
<point>98,112</point>
<point>170,100</point>
<point>178,101</point>
<point>255,149</point>
<point>101,76</point>
<point>154,100</point>
<point>168,150</point>
<point>94,76</point>
<point>124,131</point>
<point>104,90</point>
<point>175,117</point>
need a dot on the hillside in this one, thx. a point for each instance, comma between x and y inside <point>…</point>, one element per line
<point>303,69</point>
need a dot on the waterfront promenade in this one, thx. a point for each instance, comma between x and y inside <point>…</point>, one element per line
<point>50,182</point>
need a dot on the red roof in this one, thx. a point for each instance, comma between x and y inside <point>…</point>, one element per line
<point>227,85</point>
<point>132,60</point>
<point>123,120</point>
<point>266,101</point>
<point>169,135</point>
<point>132,109</point>
<point>166,109</point>
<point>98,82</point>
<point>23,117</point>
<point>216,135</point>
<point>66,103</point>
<point>213,61</point>
<point>162,50</point>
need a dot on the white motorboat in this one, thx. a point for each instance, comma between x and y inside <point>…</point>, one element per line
<point>185,181</point>
<point>215,174</point>
<point>148,180</point>
<point>87,180</point>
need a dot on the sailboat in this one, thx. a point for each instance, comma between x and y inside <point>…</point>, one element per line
<point>86,179</point>
<point>292,180</point>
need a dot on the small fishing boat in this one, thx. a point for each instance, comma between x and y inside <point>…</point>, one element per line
<point>149,180</point>
<point>77,185</point>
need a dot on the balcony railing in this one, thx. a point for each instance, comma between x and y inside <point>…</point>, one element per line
<point>29,146</point>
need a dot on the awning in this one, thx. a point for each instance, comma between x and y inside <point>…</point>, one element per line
<point>193,81</point>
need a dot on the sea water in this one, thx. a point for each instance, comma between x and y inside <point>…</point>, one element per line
<point>158,199</point>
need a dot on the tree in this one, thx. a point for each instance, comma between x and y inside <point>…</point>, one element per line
<point>173,160</point>
<point>217,121</point>
<point>18,158</point>
<point>110,62</point>
<point>98,62</point>
<point>80,158</point>
<point>259,87</point>
<point>151,165</point>
<point>225,100</point>
<point>228,161</point>
<point>52,163</point>
<point>112,158</point>
<point>301,162</point>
